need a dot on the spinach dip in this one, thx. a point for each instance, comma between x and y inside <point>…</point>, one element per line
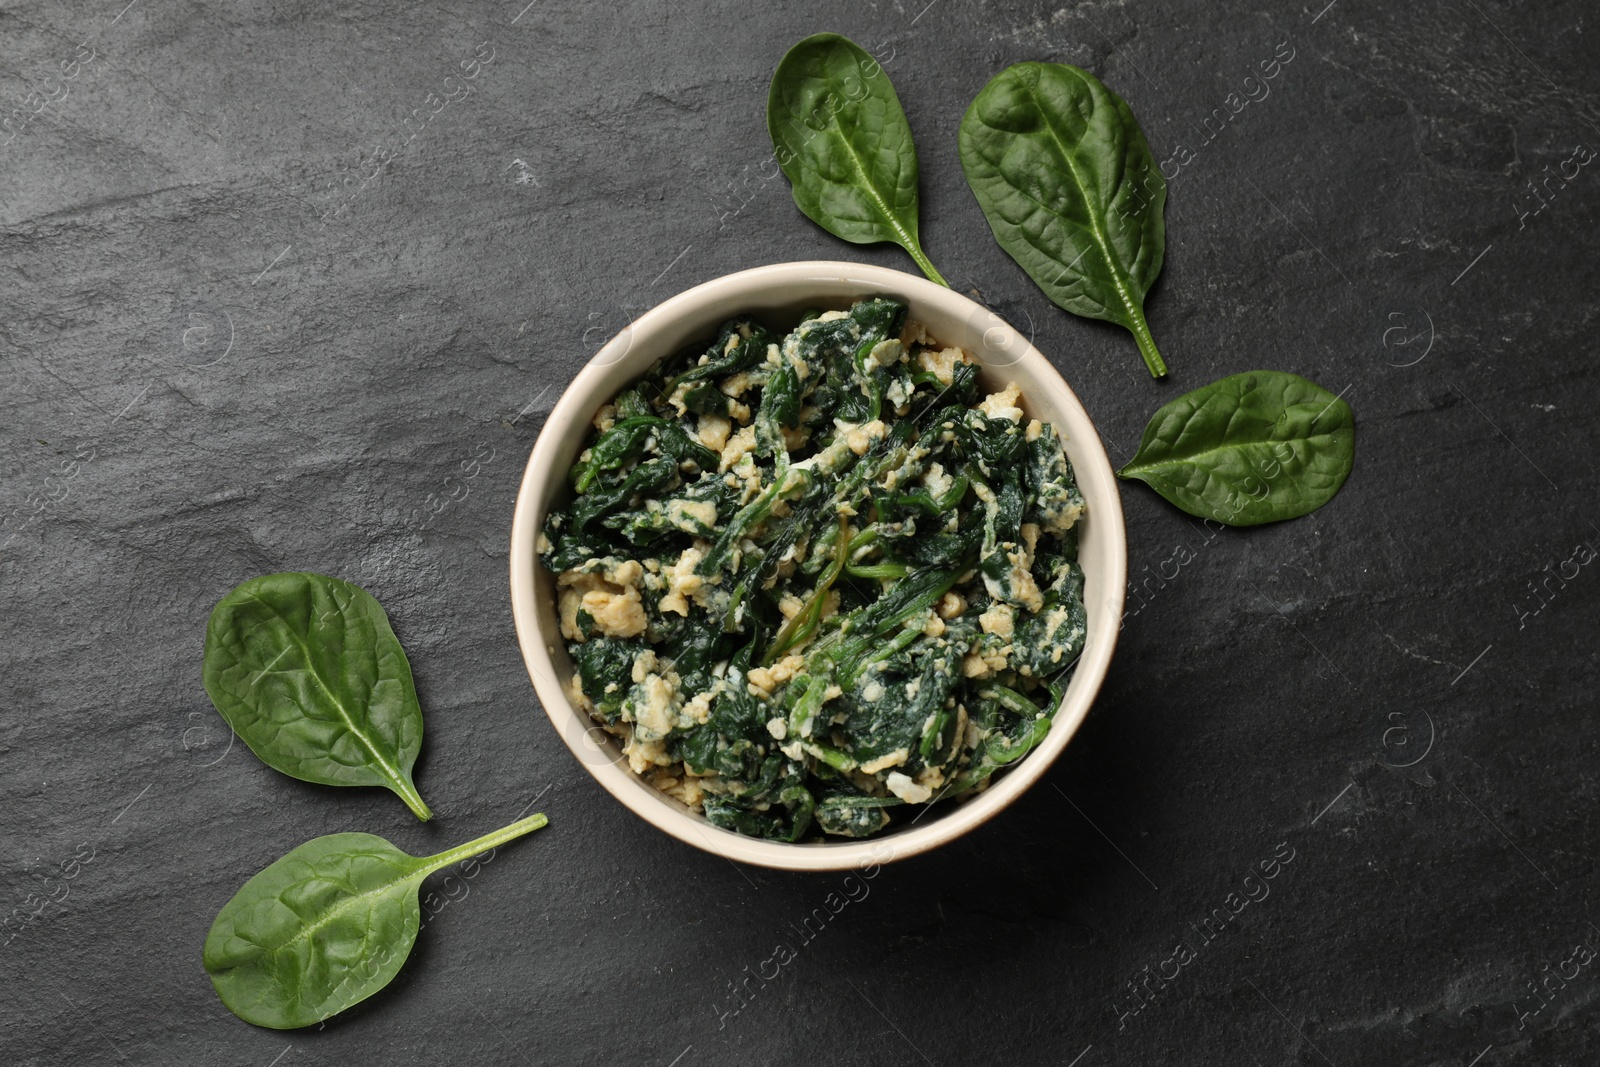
<point>809,580</point>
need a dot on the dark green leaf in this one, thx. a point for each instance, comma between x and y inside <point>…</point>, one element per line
<point>308,673</point>
<point>1248,449</point>
<point>842,139</point>
<point>999,749</point>
<point>326,926</point>
<point>740,344</point>
<point>846,815</point>
<point>605,665</point>
<point>1062,170</point>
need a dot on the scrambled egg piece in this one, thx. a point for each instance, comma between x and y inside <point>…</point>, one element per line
<point>609,596</point>
<point>942,364</point>
<point>1003,405</point>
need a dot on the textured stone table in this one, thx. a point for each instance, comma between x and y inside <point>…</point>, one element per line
<point>279,291</point>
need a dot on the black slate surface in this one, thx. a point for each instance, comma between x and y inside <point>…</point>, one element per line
<point>248,322</point>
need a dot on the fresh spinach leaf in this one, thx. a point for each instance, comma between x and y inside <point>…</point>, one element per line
<point>1248,449</point>
<point>841,137</point>
<point>308,673</point>
<point>326,926</point>
<point>1064,175</point>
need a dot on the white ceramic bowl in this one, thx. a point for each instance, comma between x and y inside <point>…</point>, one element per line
<point>776,295</point>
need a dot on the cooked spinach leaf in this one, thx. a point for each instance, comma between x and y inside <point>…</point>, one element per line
<point>1007,738</point>
<point>326,926</point>
<point>1064,175</point>
<point>1247,449</point>
<point>308,673</point>
<point>855,815</point>
<point>842,140</point>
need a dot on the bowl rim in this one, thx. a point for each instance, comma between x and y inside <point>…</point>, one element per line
<point>592,746</point>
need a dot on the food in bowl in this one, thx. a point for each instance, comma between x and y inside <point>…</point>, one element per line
<point>814,581</point>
